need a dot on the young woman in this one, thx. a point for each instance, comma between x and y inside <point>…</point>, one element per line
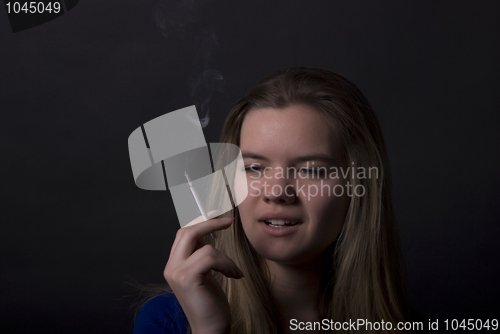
<point>314,244</point>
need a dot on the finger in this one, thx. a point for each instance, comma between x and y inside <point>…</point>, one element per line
<point>197,220</point>
<point>206,259</point>
<point>200,219</point>
<point>187,238</point>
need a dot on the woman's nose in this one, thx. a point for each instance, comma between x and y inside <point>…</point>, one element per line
<point>278,189</point>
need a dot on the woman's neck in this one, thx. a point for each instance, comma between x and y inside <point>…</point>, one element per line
<point>295,290</point>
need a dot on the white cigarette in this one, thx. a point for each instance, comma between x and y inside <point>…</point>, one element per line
<point>197,200</point>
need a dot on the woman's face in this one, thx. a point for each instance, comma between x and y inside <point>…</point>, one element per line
<point>285,148</point>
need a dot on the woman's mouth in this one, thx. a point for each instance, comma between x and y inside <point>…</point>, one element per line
<point>280,227</point>
<point>280,223</point>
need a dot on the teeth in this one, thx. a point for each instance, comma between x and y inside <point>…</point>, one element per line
<point>280,222</point>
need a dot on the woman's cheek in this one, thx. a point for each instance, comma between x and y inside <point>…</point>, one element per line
<point>254,189</point>
<point>247,206</point>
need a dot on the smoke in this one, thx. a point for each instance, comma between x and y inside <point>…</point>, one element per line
<point>173,16</point>
<point>178,19</point>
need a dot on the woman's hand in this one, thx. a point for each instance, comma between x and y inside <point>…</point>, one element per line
<point>188,272</point>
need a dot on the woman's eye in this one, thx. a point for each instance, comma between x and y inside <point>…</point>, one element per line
<point>314,172</point>
<point>252,168</point>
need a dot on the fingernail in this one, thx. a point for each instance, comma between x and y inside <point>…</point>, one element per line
<point>227,219</point>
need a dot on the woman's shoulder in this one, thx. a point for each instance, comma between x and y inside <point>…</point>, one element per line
<point>161,314</point>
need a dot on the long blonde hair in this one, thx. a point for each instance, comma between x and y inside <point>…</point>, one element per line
<point>366,277</point>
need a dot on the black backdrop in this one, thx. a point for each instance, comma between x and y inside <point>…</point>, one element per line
<point>75,228</point>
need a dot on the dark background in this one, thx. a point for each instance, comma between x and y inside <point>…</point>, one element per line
<point>76,230</point>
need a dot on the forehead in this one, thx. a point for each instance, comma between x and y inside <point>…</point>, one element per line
<point>294,130</point>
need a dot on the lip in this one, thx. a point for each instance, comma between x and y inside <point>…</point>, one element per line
<point>282,216</point>
<point>279,231</point>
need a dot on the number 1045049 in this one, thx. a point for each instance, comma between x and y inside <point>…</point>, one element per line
<point>33,7</point>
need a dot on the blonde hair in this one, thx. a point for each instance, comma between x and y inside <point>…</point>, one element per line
<point>366,276</point>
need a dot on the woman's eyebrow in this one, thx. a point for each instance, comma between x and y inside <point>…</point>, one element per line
<point>316,157</point>
<point>311,157</point>
<point>250,155</point>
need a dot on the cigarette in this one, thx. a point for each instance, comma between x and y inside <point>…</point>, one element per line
<point>197,200</point>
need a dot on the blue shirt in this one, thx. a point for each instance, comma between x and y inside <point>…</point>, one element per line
<point>161,315</point>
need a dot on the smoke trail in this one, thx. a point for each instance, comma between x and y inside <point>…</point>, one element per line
<point>175,18</point>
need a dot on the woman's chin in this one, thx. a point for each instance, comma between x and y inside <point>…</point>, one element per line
<point>283,256</point>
